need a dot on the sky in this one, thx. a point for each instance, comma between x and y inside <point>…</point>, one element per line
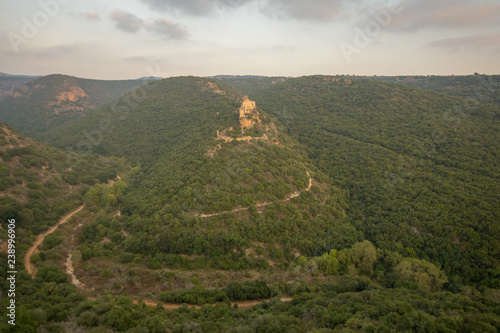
<point>136,38</point>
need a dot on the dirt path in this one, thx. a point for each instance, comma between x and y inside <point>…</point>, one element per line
<point>39,239</point>
<point>111,182</point>
<point>241,304</point>
<point>70,270</point>
<point>80,285</point>
<point>259,205</point>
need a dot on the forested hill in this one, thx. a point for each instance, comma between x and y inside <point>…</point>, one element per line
<point>196,160</point>
<point>40,183</point>
<point>49,101</point>
<point>421,169</point>
<point>153,120</point>
<point>250,84</point>
<point>483,88</point>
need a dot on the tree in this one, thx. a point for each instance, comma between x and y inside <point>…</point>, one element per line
<point>118,319</point>
<point>111,200</point>
<point>93,196</point>
<point>51,273</point>
<point>72,178</point>
<point>423,273</point>
<point>364,256</point>
<point>328,263</point>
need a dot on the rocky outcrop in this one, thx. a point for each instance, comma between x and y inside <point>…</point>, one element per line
<point>73,98</point>
<point>72,95</point>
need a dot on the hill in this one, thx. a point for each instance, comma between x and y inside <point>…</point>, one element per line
<point>18,76</point>
<point>485,88</point>
<point>39,183</point>
<point>201,158</point>
<point>250,84</point>
<point>10,83</point>
<point>52,100</point>
<point>421,168</point>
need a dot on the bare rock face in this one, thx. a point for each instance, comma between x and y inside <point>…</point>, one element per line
<point>72,95</point>
<point>72,98</point>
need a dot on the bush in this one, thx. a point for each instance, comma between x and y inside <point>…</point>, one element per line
<point>51,273</point>
<point>88,319</point>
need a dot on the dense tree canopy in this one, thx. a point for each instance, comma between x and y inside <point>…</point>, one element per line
<point>420,168</point>
<point>374,207</point>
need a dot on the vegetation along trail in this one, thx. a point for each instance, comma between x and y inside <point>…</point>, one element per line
<point>263,204</point>
<point>240,304</point>
<point>30,267</point>
<point>40,238</point>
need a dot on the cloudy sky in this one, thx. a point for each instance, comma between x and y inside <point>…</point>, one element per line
<point>134,38</point>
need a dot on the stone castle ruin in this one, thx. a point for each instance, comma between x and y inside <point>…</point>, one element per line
<point>247,115</point>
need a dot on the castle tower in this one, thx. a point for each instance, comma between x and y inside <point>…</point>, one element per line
<point>247,107</point>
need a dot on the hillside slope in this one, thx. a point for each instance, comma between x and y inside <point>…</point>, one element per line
<point>250,84</point>
<point>39,183</point>
<point>197,160</point>
<point>483,88</point>
<point>52,100</point>
<point>421,168</point>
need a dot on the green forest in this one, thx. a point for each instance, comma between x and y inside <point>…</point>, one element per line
<point>41,183</point>
<point>483,87</point>
<point>421,169</point>
<point>367,206</point>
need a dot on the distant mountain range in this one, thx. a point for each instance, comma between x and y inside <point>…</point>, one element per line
<point>19,76</point>
<point>8,83</point>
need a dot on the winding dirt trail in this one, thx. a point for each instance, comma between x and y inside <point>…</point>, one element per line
<point>259,205</point>
<point>241,304</point>
<point>30,267</point>
<point>39,239</point>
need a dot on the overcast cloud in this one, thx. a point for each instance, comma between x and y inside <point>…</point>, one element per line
<point>417,15</point>
<point>126,21</point>
<point>120,39</point>
<point>475,41</point>
<point>168,30</point>
<point>194,7</point>
<point>313,10</point>
<point>91,16</point>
